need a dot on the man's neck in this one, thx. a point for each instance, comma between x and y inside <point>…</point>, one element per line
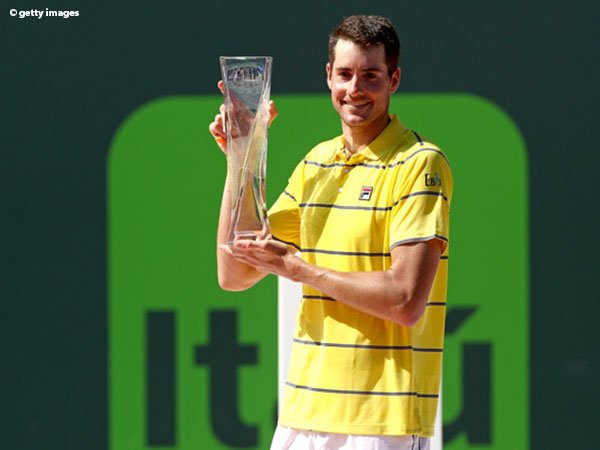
<point>357,138</point>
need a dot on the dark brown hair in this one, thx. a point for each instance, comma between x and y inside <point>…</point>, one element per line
<point>368,30</point>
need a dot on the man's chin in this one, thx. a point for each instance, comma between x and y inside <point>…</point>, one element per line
<point>355,121</point>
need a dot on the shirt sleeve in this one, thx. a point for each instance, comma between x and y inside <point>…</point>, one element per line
<point>423,195</point>
<point>284,215</point>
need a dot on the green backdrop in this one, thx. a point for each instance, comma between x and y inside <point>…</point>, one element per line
<point>165,178</point>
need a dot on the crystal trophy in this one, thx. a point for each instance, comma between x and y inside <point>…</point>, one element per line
<point>247,87</point>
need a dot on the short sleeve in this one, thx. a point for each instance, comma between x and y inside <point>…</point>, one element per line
<point>422,199</point>
<point>284,215</point>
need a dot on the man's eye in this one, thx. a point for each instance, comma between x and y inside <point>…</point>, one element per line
<point>370,76</point>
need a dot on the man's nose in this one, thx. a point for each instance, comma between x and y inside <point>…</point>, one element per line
<point>354,85</point>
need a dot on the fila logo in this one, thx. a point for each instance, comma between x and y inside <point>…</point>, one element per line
<point>433,180</point>
<point>365,193</point>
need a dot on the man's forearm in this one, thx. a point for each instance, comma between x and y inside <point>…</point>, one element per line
<point>399,294</point>
<point>233,275</point>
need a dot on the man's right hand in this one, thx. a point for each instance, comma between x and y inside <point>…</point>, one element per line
<point>217,126</point>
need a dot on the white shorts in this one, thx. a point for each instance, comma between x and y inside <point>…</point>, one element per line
<point>293,439</point>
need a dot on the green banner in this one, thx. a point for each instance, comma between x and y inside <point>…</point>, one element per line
<point>192,366</point>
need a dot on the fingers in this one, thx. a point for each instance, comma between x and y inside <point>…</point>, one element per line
<point>217,126</point>
<point>242,253</point>
<point>266,245</point>
<point>279,248</point>
<point>238,252</point>
<point>273,113</point>
<point>217,129</point>
<point>265,255</point>
<point>249,246</point>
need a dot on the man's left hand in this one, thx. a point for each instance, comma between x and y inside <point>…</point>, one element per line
<point>266,255</point>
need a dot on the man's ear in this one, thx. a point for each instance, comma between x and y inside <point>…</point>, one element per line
<point>395,80</point>
<point>328,70</point>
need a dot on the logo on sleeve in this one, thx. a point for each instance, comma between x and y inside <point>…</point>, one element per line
<point>365,193</point>
<point>432,179</point>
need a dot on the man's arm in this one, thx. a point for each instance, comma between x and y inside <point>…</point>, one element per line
<point>233,275</point>
<point>398,294</point>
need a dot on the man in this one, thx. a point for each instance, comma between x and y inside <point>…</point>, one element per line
<point>368,211</point>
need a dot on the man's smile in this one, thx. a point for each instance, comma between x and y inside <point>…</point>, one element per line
<point>356,104</point>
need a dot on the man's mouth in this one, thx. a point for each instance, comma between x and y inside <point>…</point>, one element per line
<point>356,104</point>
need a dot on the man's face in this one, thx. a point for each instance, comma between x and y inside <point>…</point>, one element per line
<point>360,84</point>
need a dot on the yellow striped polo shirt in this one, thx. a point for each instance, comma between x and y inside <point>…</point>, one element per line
<point>351,372</point>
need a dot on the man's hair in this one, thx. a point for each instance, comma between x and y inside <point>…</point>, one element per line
<point>366,31</point>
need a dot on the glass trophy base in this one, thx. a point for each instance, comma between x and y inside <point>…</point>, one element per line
<point>250,235</point>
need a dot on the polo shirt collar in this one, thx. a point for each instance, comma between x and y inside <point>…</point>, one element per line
<point>384,142</point>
